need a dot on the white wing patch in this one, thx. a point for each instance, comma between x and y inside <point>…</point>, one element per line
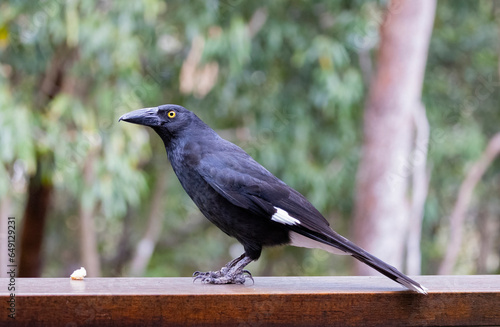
<point>282,217</point>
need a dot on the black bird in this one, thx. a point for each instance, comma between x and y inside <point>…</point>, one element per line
<point>244,199</point>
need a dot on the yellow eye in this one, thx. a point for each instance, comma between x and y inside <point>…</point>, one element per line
<point>171,114</point>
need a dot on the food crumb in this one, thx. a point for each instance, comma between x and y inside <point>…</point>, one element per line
<point>79,274</point>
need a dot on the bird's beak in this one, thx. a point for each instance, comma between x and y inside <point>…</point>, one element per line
<point>146,116</point>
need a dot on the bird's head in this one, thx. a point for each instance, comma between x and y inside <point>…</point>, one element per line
<point>168,120</point>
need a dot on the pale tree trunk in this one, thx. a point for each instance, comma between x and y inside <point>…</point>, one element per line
<point>459,212</point>
<point>419,188</point>
<point>487,225</point>
<point>147,244</point>
<point>88,246</point>
<point>382,210</point>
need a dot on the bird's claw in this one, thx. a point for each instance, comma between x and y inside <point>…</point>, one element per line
<point>205,275</point>
<point>248,275</point>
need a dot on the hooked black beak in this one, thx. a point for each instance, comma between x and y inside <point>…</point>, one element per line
<point>146,116</point>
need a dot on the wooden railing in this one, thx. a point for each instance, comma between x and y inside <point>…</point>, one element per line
<point>277,301</point>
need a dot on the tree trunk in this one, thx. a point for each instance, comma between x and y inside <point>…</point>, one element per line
<point>5,204</point>
<point>40,184</point>
<point>459,212</point>
<point>419,187</point>
<point>89,253</point>
<point>487,226</point>
<point>35,215</point>
<point>147,244</point>
<point>382,210</point>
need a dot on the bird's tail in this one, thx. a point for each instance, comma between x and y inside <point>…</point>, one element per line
<point>388,271</point>
<point>343,244</point>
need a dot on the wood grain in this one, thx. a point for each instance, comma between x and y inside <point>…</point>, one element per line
<point>274,301</point>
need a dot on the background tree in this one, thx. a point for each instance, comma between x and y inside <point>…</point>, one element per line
<point>382,215</point>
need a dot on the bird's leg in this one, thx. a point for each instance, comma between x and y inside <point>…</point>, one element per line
<point>232,273</point>
<point>220,272</point>
<point>231,264</point>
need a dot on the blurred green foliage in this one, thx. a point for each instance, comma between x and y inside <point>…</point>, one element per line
<point>290,92</point>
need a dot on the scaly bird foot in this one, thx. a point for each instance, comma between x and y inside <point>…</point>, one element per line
<point>223,276</point>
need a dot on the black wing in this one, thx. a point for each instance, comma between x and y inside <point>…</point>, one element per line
<point>245,183</point>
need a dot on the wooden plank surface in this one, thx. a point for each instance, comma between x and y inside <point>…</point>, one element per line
<point>276,301</point>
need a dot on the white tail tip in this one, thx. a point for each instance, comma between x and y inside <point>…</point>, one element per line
<point>417,288</point>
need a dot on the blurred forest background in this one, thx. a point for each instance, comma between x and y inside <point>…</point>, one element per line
<point>402,164</point>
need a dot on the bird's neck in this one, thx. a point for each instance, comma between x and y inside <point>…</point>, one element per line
<point>164,134</point>
<point>196,138</point>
